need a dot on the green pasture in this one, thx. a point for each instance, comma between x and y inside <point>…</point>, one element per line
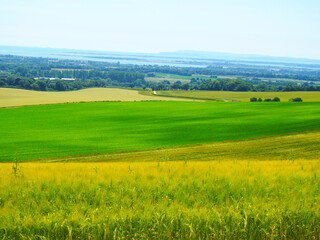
<point>86,128</point>
<point>176,76</point>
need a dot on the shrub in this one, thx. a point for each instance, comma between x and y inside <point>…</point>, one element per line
<point>254,99</point>
<point>268,100</point>
<point>295,100</point>
<point>276,99</point>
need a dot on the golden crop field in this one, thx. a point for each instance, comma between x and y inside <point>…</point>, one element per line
<point>241,96</point>
<point>17,97</point>
<point>239,199</point>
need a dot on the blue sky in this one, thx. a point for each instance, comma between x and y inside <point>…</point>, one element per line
<point>273,27</point>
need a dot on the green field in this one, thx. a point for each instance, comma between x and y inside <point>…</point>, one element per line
<point>176,76</point>
<point>295,146</point>
<point>240,96</point>
<point>86,128</point>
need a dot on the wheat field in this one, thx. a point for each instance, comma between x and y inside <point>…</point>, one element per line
<point>161,200</point>
<point>240,96</point>
<point>10,97</point>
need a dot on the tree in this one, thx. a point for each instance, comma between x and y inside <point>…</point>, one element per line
<point>60,85</point>
<point>295,100</point>
<point>176,85</point>
<point>35,86</point>
<point>151,75</point>
<point>185,86</point>
<point>42,85</point>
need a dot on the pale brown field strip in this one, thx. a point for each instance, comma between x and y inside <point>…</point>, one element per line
<point>311,96</point>
<point>302,145</point>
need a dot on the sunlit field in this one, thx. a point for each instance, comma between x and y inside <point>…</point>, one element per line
<point>18,97</point>
<point>304,145</point>
<point>240,96</point>
<point>161,200</point>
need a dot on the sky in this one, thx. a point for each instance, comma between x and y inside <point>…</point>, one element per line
<point>269,27</point>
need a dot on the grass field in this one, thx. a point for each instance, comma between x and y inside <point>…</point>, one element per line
<point>86,128</point>
<point>173,76</point>
<point>241,96</point>
<point>17,97</point>
<point>167,200</point>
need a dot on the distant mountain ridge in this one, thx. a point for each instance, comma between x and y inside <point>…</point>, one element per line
<point>182,55</point>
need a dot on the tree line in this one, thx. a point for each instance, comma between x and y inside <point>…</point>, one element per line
<point>35,73</point>
<point>118,79</point>
<point>230,85</point>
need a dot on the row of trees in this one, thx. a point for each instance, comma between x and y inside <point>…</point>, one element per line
<point>230,85</point>
<point>275,99</point>
<point>63,85</point>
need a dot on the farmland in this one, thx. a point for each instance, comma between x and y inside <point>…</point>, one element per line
<point>156,120</point>
<point>296,146</point>
<point>86,128</point>
<point>240,96</point>
<point>187,170</point>
<point>18,97</point>
<point>161,200</point>
<point>175,77</point>
<point>144,169</point>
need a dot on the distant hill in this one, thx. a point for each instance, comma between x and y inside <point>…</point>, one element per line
<point>237,57</point>
<point>162,58</point>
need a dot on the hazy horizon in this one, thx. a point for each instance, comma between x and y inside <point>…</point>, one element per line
<point>270,28</point>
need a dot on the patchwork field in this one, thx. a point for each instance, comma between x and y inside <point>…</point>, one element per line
<point>160,170</point>
<point>167,200</point>
<point>86,128</point>
<point>17,97</point>
<point>240,96</point>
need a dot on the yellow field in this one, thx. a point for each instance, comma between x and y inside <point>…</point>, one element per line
<point>167,200</point>
<point>292,147</point>
<point>241,96</point>
<point>10,97</point>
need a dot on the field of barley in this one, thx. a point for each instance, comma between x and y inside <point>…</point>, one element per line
<point>161,200</point>
<point>10,97</point>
